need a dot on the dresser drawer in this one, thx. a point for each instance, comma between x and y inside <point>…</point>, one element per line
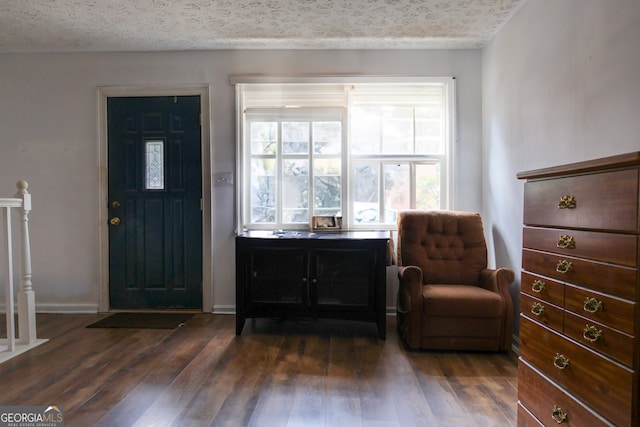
<point>605,201</point>
<point>607,386</point>
<point>542,312</point>
<point>613,312</point>
<point>608,278</point>
<point>526,419</point>
<point>599,337</point>
<point>542,288</point>
<point>548,403</point>
<point>606,247</point>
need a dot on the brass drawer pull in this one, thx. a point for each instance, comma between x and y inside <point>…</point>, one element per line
<point>592,305</point>
<point>560,361</point>
<point>538,286</point>
<point>566,242</point>
<point>537,308</point>
<point>592,334</point>
<point>564,267</point>
<point>567,202</point>
<point>558,414</point>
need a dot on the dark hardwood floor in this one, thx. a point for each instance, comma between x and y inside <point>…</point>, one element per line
<point>278,373</point>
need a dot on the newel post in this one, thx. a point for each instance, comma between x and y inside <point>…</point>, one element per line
<point>26,296</point>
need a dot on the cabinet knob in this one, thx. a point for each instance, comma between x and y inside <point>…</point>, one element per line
<point>537,309</point>
<point>560,361</point>
<point>558,414</point>
<point>564,267</point>
<point>592,305</point>
<point>538,286</point>
<point>567,202</point>
<point>591,334</point>
<point>566,242</point>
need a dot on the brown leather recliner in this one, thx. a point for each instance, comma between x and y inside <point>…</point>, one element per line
<point>447,298</point>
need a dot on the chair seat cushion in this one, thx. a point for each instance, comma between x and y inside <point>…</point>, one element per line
<point>461,301</point>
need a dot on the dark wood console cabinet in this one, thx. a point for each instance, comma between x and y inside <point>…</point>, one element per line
<point>306,275</point>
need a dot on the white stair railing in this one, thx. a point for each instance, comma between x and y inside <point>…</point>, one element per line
<point>26,296</point>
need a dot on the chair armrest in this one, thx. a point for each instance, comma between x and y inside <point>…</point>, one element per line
<point>409,289</point>
<point>497,280</point>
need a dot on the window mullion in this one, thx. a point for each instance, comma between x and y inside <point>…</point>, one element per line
<point>413,185</point>
<point>381,195</point>
<point>310,185</point>
<point>346,178</point>
<point>414,142</point>
<point>279,177</point>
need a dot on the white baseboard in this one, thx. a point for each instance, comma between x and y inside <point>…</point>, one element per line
<point>66,308</point>
<point>224,309</point>
<point>59,308</point>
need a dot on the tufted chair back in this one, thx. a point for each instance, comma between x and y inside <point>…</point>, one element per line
<point>448,246</point>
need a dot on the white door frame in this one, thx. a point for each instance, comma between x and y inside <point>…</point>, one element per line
<point>205,110</point>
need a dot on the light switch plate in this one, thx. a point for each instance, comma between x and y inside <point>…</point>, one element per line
<point>223,179</point>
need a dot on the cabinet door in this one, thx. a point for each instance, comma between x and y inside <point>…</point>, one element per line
<point>278,276</point>
<point>343,277</point>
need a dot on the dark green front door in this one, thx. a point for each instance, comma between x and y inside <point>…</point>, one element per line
<point>155,210</point>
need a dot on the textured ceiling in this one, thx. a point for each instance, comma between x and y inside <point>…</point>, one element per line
<point>158,25</point>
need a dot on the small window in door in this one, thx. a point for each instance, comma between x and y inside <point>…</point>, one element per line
<point>154,165</point>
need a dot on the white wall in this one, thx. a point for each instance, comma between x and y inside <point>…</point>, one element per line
<point>49,136</point>
<point>560,85</point>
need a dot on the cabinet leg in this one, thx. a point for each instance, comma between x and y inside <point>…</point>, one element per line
<point>382,328</point>
<point>239,324</point>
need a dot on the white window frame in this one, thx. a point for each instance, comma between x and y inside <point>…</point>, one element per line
<point>285,115</point>
<point>317,98</point>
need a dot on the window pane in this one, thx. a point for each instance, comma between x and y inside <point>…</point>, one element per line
<point>428,186</point>
<point>327,186</point>
<point>154,167</point>
<point>327,137</point>
<point>397,190</point>
<point>365,130</point>
<point>295,137</point>
<point>263,190</point>
<point>429,130</point>
<point>366,201</point>
<point>397,130</point>
<point>264,137</point>
<point>295,191</point>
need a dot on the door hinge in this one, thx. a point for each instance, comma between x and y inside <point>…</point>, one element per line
<point>201,204</point>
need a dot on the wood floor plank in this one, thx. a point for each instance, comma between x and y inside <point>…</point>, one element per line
<point>170,404</point>
<point>278,373</point>
<point>150,370</point>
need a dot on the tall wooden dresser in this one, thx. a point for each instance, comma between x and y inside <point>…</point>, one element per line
<point>579,318</point>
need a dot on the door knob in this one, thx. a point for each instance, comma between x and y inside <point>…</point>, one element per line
<point>114,221</point>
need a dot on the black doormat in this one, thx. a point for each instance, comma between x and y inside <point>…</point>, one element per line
<point>142,320</point>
